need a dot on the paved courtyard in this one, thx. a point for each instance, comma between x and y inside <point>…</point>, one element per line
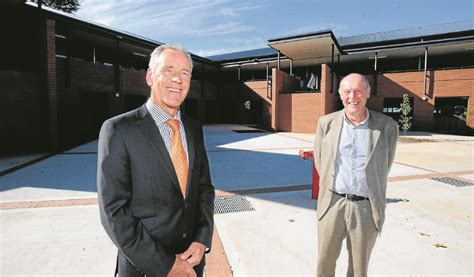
<point>49,223</point>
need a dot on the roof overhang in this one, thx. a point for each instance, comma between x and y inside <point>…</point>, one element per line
<point>321,46</point>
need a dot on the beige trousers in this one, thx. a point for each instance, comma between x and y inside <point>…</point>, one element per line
<point>353,221</point>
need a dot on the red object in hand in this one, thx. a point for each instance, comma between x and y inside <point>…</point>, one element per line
<point>315,186</point>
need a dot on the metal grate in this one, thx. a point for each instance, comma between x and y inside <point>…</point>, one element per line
<point>453,181</point>
<point>248,131</point>
<point>232,204</point>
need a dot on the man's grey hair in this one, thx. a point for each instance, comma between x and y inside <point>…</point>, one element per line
<point>364,78</point>
<point>155,55</point>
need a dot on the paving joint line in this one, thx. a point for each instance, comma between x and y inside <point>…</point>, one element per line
<point>25,164</point>
<point>257,149</point>
<point>417,167</point>
<point>93,201</point>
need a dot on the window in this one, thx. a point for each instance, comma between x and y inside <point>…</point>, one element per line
<point>391,107</point>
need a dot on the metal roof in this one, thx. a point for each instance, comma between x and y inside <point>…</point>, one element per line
<point>406,34</point>
<point>402,37</point>
<point>255,53</point>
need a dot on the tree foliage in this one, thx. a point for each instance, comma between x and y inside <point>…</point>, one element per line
<point>405,118</point>
<point>69,6</point>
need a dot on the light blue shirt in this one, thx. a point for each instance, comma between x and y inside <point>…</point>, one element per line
<point>352,158</point>
<point>160,117</point>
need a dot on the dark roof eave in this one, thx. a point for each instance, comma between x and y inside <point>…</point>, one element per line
<point>109,31</point>
<point>247,59</point>
<point>300,36</point>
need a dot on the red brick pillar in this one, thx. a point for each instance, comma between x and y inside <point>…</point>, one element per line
<point>51,83</point>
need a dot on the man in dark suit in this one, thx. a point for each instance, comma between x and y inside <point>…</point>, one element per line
<point>156,199</point>
<point>353,153</point>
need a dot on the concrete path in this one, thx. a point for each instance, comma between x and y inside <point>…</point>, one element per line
<point>49,222</point>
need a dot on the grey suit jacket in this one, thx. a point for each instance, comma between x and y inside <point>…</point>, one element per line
<point>381,151</point>
<point>141,205</point>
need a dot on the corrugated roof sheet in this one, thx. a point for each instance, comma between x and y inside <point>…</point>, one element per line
<point>261,52</point>
<point>416,32</point>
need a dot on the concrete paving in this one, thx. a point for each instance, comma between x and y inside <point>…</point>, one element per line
<point>279,237</point>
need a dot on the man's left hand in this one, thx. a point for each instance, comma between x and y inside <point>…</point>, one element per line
<point>194,253</point>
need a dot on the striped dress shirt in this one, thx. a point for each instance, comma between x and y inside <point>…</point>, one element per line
<point>160,117</point>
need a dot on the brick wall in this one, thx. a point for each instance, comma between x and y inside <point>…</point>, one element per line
<point>300,112</point>
<point>332,96</point>
<point>51,86</point>
<point>281,82</point>
<point>133,82</point>
<point>88,76</point>
<point>440,83</point>
<point>259,88</point>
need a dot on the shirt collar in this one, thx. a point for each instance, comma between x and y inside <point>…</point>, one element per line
<point>361,123</point>
<point>160,116</point>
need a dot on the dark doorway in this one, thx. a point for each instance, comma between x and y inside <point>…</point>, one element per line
<point>94,111</point>
<point>450,115</point>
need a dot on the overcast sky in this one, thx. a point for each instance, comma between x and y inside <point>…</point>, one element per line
<point>210,27</point>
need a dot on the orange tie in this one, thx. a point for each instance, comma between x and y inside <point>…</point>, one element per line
<point>178,156</point>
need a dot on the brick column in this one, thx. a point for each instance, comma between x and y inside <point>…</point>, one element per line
<point>51,83</point>
<point>276,83</point>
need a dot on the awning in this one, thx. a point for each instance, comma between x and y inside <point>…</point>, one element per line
<point>308,48</point>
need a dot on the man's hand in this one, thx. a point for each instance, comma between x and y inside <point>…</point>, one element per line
<point>181,268</point>
<point>193,254</point>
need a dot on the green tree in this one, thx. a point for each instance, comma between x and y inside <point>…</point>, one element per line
<point>405,118</point>
<point>69,6</point>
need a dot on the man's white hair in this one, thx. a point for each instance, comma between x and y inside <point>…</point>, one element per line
<point>155,55</point>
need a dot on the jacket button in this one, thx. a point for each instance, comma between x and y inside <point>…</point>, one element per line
<point>185,235</point>
<point>186,205</point>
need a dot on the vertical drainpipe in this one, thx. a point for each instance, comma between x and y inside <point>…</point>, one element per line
<point>291,67</point>
<point>269,88</point>
<point>375,61</point>
<point>424,75</point>
<point>375,73</point>
<point>278,60</point>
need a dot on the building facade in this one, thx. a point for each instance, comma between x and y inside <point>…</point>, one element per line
<point>61,77</point>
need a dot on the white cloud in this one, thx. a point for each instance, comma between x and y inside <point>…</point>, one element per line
<point>233,11</point>
<point>160,19</point>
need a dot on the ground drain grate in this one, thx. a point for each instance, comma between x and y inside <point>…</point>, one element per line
<point>453,181</point>
<point>247,131</point>
<point>232,204</point>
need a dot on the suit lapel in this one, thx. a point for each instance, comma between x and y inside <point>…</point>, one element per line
<point>374,134</point>
<point>152,133</point>
<point>335,134</point>
<point>190,136</point>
